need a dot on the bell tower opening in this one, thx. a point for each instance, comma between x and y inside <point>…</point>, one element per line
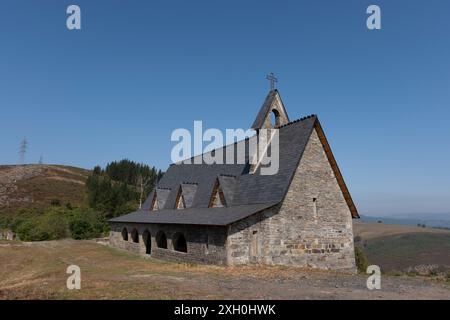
<point>272,113</point>
<point>274,118</point>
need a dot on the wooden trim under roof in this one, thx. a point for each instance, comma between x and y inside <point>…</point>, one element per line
<point>217,192</point>
<point>179,201</point>
<point>154,204</point>
<point>337,172</point>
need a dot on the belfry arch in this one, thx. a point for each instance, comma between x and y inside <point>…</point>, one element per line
<point>272,108</point>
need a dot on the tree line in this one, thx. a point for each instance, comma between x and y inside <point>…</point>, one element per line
<point>121,187</point>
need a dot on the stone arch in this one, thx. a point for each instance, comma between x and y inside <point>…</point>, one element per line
<point>147,238</point>
<point>161,240</point>
<point>179,242</point>
<point>125,234</point>
<point>135,235</point>
<point>275,118</point>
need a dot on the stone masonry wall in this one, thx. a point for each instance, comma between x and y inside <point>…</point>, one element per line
<point>304,232</point>
<point>204,244</point>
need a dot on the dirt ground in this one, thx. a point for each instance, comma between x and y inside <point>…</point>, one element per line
<point>38,271</point>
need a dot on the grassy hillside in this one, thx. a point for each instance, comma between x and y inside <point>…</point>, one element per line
<point>48,202</point>
<point>398,248</point>
<point>37,186</point>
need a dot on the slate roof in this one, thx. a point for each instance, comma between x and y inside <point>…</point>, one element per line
<point>245,193</point>
<point>228,185</point>
<point>247,188</point>
<point>222,216</point>
<point>161,197</point>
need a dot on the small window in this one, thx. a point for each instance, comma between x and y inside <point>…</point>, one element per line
<point>315,209</point>
<point>125,234</point>
<point>254,248</point>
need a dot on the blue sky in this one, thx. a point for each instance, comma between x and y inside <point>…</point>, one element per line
<point>140,69</point>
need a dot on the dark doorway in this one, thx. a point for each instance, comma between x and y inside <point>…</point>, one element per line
<point>135,236</point>
<point>161,240</point>
<point>179,242</point>
<point>125,234</point>
<point>147,238</point>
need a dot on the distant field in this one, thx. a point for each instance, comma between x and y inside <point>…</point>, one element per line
<point>36,186</point>
<point>401,248</point>
<point>38,271</point>
<point>370,231</point>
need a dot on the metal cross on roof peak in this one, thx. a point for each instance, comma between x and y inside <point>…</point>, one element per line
<point>271,77</point>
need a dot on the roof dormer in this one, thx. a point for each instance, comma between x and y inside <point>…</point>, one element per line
<point>223,191</point>
<point>185,196</point>
<point>160,196</point>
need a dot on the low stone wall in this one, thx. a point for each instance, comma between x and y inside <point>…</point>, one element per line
<point>8,235</point>
<point>205,245</point>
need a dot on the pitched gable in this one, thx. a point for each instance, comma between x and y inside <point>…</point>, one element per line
<point>314,194</point>
<point>189,190</point>
<point>228,185</point>
<point>336,170</point>
<point>217,199</point>
<point>222,194</point>
<point>159,198</point>
<point>186,195</point>
<point>272,104</point>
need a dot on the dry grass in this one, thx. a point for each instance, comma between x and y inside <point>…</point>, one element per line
<point>38,271</point>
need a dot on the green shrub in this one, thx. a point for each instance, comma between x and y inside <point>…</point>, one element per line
<point>81,229</point>
<point>4,221</point>
<point>32,231</point>
<point>361,259</point>
<point>59,222</point>
<point>50,225</point>
<point>86,224</point>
